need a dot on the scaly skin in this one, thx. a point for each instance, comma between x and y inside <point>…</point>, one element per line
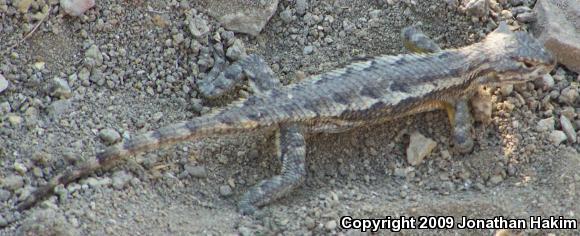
<point>378,90</point>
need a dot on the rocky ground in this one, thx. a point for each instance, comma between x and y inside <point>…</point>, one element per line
<point>78,83</point>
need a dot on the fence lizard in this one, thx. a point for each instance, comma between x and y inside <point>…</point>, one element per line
<point>368,92</point>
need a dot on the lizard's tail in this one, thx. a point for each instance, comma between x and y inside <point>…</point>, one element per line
<point>200,127</point>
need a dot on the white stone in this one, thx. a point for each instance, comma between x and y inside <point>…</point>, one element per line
<point>557,137</point>
<point>76,7</point>
<point>568,128</point>
<point>3,83</point>
<point>545,125</point>
<point>419,148</point>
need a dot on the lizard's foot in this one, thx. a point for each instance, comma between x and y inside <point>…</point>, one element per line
<point>267,191</point>
<point>293,151</point>
<point>416,41</point>
<point>463,143</point>
<point>260,76</point>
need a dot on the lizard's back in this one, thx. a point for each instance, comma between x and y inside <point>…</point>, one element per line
<point>386,86</point>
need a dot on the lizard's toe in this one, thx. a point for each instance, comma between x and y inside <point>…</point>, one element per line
<point>463,144</point>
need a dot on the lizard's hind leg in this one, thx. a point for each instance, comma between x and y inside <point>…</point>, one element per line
<point>289,139</point>
<point>462,124</point>
<point>292,149</point>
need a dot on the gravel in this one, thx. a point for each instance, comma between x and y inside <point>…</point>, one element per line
<point>133,66</point>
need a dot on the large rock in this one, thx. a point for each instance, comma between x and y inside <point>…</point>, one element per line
<point>558,27</point>
<point>242,15</point>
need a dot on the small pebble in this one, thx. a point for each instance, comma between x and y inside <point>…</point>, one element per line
<point>545,125</point>
<point>568,112</point>
<point>60,88</point>
<point>309,223</point>
<point>196,104</point>
<point>15,120</point>
<point>237,51</point>
<point>308,50</point>
<point>374,14</point>
<point>39,65</point>
<point>93,56</point>
<point>568,128</point>
<point>178,38</point>
<point>330,225</point>
<point>198,27</point>
<point>557,137</point>
<point>4,195</point>
<point>225,190</point>
<point>37,172</point>
<point>496,179</point>
<point>569,95</point>
<point>13,182</point>
<point>419,148</point>
<point>5,108</point>
<point>97,182</point>
<point>160,21</point>
<point>286,16</point>
<point>84,75</point>
<point>301,6</point>
<point>196,171</point>
<point>20,168</point>
<point>546,82</point>
<point>477,8</point>
<point>120,179</point>
<point>506,90</point>
<point>506,14</point>
<point>3,83</point>
<point>58,107</point>
<point>451,4</point>
<point>22,5</point>
<point>109,136</point>
<point>76,7</point>
<point>3,221</point>
<point>245,231</point>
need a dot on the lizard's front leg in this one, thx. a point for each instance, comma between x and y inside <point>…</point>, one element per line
<point>459,115</point>
<point>292,149</point>
<point>461,124</point>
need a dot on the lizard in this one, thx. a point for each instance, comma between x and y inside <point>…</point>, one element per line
<point>367,92</point>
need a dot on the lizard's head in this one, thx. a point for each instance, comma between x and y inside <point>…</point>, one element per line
<point>516,57</point>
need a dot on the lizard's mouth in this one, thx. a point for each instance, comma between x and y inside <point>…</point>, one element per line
<point>531,73</point>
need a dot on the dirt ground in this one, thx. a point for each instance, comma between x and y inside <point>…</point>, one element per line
<point>147,79</point>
